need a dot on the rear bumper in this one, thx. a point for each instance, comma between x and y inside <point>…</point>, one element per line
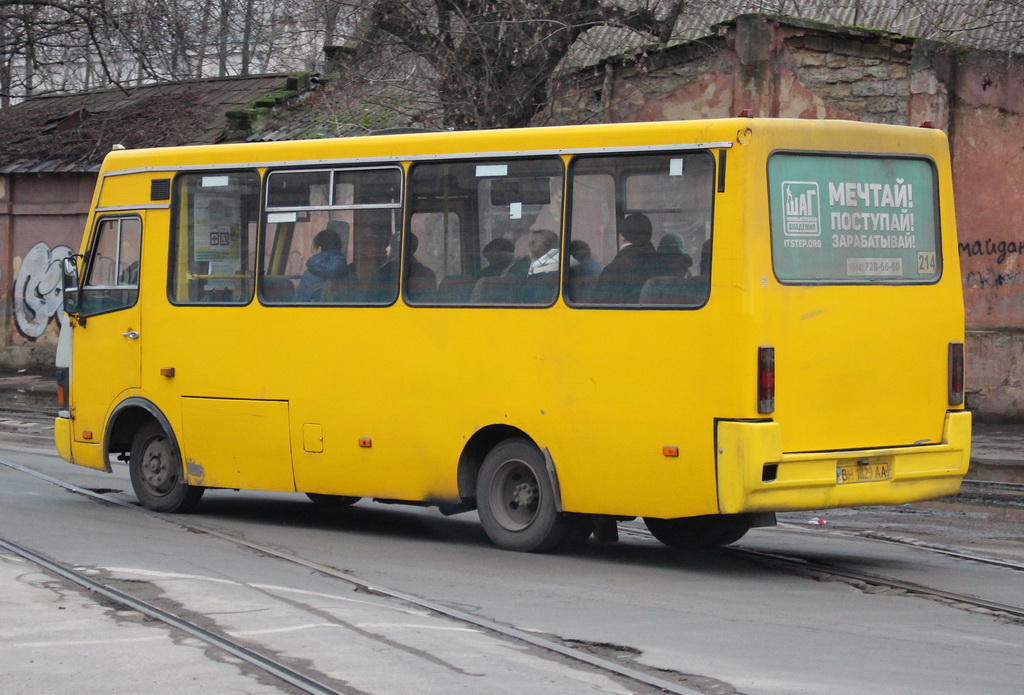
<point>62,437</point>
<point>807,480</point>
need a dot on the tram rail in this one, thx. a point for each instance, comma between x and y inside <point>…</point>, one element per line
<point>787,562</point>
<point>544,644</point>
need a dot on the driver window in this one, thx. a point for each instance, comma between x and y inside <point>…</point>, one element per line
<point>112,281</point>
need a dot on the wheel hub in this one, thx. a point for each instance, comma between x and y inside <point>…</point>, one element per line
<point>524,495</point>
<point>156,469</point>
<point>515,496</point>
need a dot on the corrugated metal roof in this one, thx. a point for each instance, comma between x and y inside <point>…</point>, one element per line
<point>981,24</point>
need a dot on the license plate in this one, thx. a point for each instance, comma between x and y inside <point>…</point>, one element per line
<point>847,473</point>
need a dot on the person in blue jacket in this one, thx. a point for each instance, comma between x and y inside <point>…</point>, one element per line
<point>327,264</point>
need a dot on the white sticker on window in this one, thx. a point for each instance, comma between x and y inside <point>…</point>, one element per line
<point>483,170</point>
<point>279,217</point>
<point>215,181</point>
<point>515,211</point>
<point>675,167</point>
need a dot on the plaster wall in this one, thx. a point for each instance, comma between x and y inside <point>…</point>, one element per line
<point>41,220</point>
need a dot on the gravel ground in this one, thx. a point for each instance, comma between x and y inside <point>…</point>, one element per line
<point>983,529</point>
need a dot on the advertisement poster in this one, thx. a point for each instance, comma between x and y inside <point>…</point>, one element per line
<point>849,219</point>
<point>216,213</point>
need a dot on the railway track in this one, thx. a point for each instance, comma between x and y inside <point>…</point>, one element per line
<point>555,648</point>
<point>993,493</point>
<point>817,570</point>
<point>651,682</point>
<point>264,663</point>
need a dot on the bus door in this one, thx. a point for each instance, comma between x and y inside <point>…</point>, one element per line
<point>107,338</point>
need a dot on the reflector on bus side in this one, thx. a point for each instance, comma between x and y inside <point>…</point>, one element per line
<point>956,374</point>
<point>765,379</point>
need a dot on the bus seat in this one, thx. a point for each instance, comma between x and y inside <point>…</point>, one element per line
<point>675,291</point>
<point>421,289</point>
<point>455,289</point>
<point>343,291</point>
<point>277,289</point>
<point>581,288</point>
<point>539,289</point>
<point>495,290</point>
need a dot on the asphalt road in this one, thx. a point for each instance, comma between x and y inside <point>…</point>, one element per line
<point>716,622</point>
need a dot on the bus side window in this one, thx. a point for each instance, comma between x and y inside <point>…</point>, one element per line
<point>326,233</point>
<point>474,222</point>
<point>669,263</point>
<point>112,281</point>
<point>213,238</point>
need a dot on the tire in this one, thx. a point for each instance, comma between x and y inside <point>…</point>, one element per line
<point>158,477</point>
<point>332,501</point>
<point>699,532</point>
<point>516,501</point>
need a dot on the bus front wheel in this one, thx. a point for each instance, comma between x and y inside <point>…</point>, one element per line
<point>516,500</point>
<point>157,474</point>
<point>694,533</point>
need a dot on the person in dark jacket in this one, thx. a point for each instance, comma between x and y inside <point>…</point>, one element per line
<point>499,253</point>
<point>635,263</point>
<point>421,280</point>
<point>326,265</point>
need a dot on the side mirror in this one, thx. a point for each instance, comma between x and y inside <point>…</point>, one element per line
<point>69,284</point>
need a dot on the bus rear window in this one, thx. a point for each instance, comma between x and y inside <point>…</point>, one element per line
<point>839,219</point>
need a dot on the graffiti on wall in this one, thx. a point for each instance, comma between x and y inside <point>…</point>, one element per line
<point>1003,274</point>
<point>37,289</point>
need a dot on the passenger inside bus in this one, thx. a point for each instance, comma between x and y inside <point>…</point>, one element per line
<point>636,262</point>
<point>584,270</point>
<point>499,254</point>
<point>327,264</point>
<point>421,280</point>
<point>543,248</point>
<point>672,260</point>
<point>541,285</point>
<point>585,265</point>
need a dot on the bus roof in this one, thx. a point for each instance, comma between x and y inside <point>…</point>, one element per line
<point>711,133</point>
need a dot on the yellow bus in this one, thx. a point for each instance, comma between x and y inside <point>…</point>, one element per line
<point>699,323</point>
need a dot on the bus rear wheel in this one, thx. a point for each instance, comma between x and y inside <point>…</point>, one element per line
<point>157,474</point>
<point>697,532</point>
<point>516,500</point>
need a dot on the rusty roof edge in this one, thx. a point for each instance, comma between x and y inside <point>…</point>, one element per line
<point>227,122</point>
<point>242,123</point>
<point>128,91</point>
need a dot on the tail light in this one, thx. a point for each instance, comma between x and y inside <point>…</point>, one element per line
<point>765,379</point>
<point>62,387</point>
<point>956,374</point>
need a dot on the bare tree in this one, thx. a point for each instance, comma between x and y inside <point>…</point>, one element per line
<point>67,45</point>
<point>460,63</point>
<point>36,41</point>
<point>492,59</point>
